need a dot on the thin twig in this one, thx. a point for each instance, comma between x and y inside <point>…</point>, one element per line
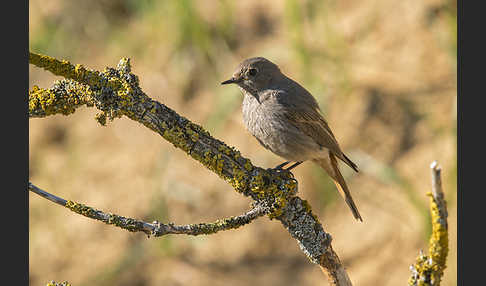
<point>155,228</point>
<point>44,194</point>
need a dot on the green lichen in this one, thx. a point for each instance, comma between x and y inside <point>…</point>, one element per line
<point>238,181</point>
<point>224,149</point>
<point>185,137</point>
<point>125,223</point>
<point>278,207</point>
<point>101,118</point>
<point>54,283</point>
<point>82,209</point>
<point>113,219</point>
<point>307,206</point>
<point>194,136</point>
<point>219,164</point>
<point>197,128</point>
<point>264,186</point>
<point>308,209</point>
<point>220,224</point>
<point>153,110</point>
<point>248,166</point>
<point>177,137</point>
<point>258,184</point>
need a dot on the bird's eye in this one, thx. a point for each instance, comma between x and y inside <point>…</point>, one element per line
<point>252,72</point>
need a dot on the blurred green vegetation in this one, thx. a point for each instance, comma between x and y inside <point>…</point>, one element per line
<point>384,77</point>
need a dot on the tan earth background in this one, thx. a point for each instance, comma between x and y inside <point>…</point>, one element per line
<point>383,71</point>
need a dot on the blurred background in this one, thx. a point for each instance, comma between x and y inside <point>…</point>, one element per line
<point>383,72</point>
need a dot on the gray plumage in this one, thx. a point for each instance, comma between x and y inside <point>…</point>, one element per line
<point>285,118</point>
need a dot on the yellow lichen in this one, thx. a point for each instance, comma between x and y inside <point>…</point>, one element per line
<point>81,209</point>
<point>45,102</point>
<point>439,244</point>
<point>248,165</point>
<point>428,270</point>
<point>224,149</point>
<point>53,283</point>
<point>194,136</point>
<point>64,68</point>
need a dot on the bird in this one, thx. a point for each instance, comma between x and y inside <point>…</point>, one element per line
<point>286,119</point>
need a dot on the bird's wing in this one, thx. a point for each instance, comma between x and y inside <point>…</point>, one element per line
<point>307,118</point>
<point>314,125</point>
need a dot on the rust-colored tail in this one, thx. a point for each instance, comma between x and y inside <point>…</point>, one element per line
<point>331,167</point>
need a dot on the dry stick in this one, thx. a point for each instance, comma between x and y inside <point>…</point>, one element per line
<point>116,92</point>
<point>155,228</point>
<point>438,194</point>
<point>428,270</point>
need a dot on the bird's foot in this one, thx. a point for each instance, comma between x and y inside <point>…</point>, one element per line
<point>294,165</point>
<point>280,168</point>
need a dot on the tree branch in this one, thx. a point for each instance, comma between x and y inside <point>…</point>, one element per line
<point>428,270</point>
<point>115,92</point>
<point>63,98</point>
<point>54,283</point>
<point>155,228</point>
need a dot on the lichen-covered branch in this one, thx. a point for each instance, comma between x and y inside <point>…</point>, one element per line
<point>155,228</point>
<point>63,98</point>
<point>54,283</point>
<point>116,93</point>
<point>428,270</point>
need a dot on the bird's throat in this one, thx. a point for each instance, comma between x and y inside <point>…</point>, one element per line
<point>249,92</point>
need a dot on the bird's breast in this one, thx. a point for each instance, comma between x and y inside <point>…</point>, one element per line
<point>267,122</point>
<point>259,116</point>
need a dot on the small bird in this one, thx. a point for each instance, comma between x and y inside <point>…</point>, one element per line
<point>286,119</point>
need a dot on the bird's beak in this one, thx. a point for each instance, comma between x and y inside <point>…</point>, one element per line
<point>231,80</point>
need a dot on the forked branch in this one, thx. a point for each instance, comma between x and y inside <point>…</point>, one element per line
<point>116,93</point>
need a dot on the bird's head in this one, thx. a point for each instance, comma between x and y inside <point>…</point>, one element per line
<point>255,75</point>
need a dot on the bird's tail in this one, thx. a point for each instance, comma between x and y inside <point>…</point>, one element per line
<point>331,167</point>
